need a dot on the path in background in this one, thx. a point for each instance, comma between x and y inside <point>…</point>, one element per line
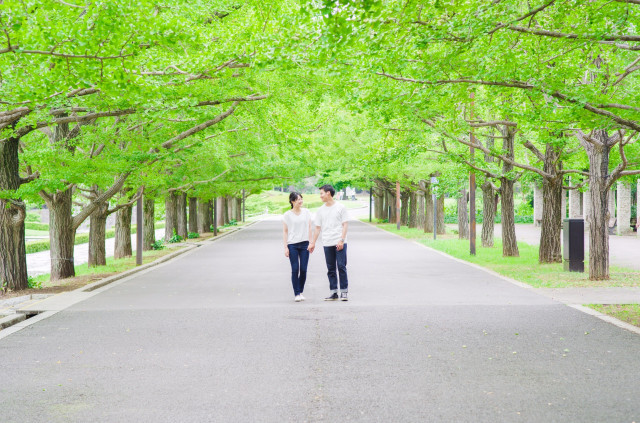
<point>39,263</point>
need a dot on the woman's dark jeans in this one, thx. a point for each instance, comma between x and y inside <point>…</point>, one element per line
<point>299,258</point>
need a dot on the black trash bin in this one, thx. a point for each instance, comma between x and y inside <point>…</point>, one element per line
<point>573,245</point>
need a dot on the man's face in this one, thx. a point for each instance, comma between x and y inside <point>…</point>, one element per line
<point>325,196</point>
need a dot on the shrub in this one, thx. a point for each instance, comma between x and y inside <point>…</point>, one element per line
<point>32,283</point>
<point>34,226</point>
<point>192,235</point>
<point>158,245</point>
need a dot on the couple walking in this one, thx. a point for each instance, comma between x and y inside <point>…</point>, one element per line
<point>300,241</point>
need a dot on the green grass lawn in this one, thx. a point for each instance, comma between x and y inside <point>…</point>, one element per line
<point>524,268</point>
<point>629,313</point>
<point>31,232</point>
<point>113,266</point>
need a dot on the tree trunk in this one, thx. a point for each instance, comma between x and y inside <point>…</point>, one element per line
<point>440,217</point>
<point>378,194</point>
<point>181,214</point>
<point>428,208</point>
<point>463,215</point>
<point>391,206</point>
<point>62,235</point>
<point>488,213</point>
<point>550,250</point>
<point>122,246</point>
<point>551,235</point>
<point>598,153</point>
<point>413,210</point>
<point>210,214</point>
<point>420,217</point>
<point>13,259</point>
<point>171,217</point>
<point>509,243</point>
<point>97,236</point>
<point>203,207</point>
<point>149,219</point>
<point>404,208</point>
<point>239,209</point>
<point>193,215</point>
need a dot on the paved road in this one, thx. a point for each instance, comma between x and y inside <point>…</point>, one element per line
<point>215,336</point>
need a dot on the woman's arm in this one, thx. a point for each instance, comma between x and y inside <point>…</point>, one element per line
<point>285,237</point>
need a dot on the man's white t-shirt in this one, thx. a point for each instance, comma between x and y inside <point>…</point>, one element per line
<point>297,225</point>
<point>330,220</point>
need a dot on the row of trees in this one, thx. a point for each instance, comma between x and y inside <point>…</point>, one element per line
<point>540,91</point>
<point>104,101</point>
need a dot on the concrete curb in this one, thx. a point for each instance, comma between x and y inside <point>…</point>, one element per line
<point>579,307</point>
<point>15,322</point>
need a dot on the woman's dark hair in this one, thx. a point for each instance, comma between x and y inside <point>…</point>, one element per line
<point>328,188</point>
<point>293,197</point>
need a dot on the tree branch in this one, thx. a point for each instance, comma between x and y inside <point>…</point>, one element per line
<point>89,208</point>
<point>168,144</point>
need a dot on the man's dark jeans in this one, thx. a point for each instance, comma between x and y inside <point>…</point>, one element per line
<point>339,258</point>
<point>299,258</point>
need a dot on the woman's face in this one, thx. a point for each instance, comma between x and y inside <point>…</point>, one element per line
<point>298,202</point>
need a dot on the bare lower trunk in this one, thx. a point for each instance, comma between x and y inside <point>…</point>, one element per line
<point>404,208</point>
<point>440,217</point>
<point>13,262</point>
<point>463,215</point>
<point>550,237</point>
<point>239,209</point>
<point>97,236</point>
<point>210,214</point>
<point>171,217</point>
<point>420,221</point>
<point>149,231</point>
<point>488,214</point>
<point>428,208</point>
<point>203,207</point>
<point>413,210</point>
<point>181,214</point>
<point>193,214</point>
<point>598,153</point>
<point>62,235</point>
<point>509,243</point>
<point>122,246</point>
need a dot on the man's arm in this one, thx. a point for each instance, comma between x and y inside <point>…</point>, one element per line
<point>345,227</point>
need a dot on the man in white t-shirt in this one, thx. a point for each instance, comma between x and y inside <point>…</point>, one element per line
<point>331,220</point>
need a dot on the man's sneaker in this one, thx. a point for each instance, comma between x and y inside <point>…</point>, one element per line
<point>298,299</point>
<point>302,298</point>
<point>332,297</point>
<point>343,296</point>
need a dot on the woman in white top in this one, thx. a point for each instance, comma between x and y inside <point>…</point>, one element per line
<point>296,234</point>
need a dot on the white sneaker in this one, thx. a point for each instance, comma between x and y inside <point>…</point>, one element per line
<point>298,299</point>
<point>302,297</point>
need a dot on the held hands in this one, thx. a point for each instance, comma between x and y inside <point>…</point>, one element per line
<point>311,247</point>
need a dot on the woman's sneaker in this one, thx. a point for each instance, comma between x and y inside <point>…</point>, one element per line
<point>302,298</point>
<point>332,297</point>
<point>343,296</point>
<point>298,299</point>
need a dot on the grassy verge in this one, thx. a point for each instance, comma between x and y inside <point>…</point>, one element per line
<point>629,313</point>
<point>524,268</point>
<point>83,238</point>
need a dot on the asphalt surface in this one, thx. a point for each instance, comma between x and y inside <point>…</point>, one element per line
<point>214,336</point>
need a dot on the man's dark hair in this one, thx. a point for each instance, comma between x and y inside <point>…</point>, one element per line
<point>328,188</point>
